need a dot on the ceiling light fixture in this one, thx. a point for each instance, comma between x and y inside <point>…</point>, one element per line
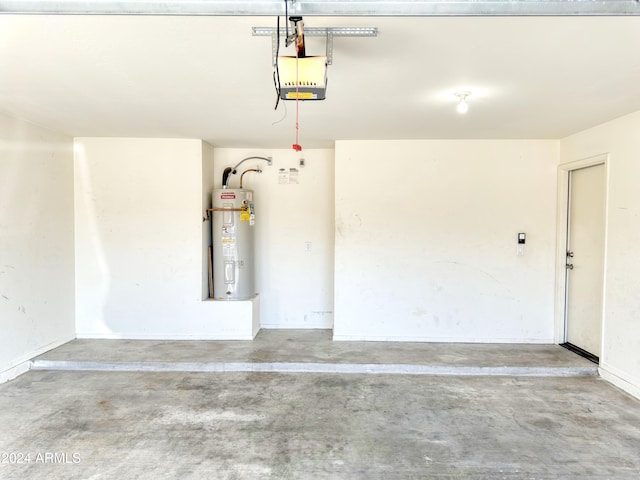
<point>463,106</point>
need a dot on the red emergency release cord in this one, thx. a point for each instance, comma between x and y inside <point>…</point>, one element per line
<point>296,146</point>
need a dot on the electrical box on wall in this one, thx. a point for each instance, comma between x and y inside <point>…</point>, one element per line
<point>308,73</point>
<point>522,238</point>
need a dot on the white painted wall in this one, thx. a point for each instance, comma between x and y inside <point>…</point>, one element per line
<point>207,187</point>
<point>295,285</point>
<point>425,240</point>
<point>36,243</point>
<point>140,243</point>
<point>620,359</point>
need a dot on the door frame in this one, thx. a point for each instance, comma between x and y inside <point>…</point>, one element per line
<point>562,227</point>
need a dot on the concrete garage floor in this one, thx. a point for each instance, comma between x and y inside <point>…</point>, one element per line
<point>313,350</point>
<point>222,425</point>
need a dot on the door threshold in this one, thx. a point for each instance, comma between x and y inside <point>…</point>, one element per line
<point>579,351</point>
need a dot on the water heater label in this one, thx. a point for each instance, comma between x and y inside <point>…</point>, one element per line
<point>226,196</point>
<point>228,234</point>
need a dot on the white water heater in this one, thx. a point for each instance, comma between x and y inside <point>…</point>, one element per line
<point>233,244</point>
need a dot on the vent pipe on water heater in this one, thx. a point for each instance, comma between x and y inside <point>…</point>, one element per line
<point>225,176</point>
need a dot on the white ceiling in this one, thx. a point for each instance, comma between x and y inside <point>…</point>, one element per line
<point>209,78</point>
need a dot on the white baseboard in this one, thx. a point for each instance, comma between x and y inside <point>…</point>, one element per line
<point>161,336</point>
<point>620,380</point>
<point>13,372</point>
<point>21,364</point>
<point>390,338</point>
<point>295,326</point>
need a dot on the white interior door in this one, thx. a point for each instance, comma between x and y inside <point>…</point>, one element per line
<point>585,258</point>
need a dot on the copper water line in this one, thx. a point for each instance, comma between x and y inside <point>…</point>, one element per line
<point>250,170</point>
